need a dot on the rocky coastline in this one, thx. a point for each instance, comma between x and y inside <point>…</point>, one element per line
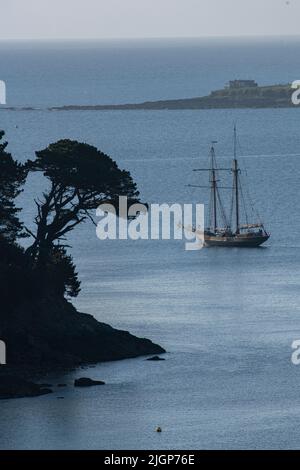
<point>49,335</point>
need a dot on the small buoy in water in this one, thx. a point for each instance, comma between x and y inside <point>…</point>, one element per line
<point>158,429</point>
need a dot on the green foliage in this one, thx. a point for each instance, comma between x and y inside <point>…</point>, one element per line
<point>12,177</point>
<point>81,178</point>
<point>18,282</point>
<point>85,169</point>
<point>61,273</point>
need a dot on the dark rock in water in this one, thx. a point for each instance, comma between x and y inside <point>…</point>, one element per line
<point>45,385</point>
<point>86,382</point>
<point>16,387</point>
<point>60,398</point>
<point>61,385</point>
<point>155,358</point>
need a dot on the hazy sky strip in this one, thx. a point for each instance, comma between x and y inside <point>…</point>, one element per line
<point>93,19</point>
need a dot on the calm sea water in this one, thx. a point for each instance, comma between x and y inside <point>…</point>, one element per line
<point>226,317</point>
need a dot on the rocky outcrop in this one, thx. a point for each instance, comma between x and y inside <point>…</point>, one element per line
<point>16,387</point>
<point>87,382</point>
<point>155,358</point>
<point>50,332</point>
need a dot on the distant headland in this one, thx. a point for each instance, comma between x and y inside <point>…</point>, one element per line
<point>236,94</point>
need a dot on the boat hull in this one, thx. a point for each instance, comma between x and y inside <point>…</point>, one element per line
<point>235,241</point>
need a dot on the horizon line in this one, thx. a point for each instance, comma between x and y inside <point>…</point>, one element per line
<point>150,38</point>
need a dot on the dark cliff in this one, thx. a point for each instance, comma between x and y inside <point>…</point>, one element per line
<point>50,332</point>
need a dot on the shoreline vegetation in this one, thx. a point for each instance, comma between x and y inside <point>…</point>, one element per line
<point>41,329</point>
<point>269,96</point>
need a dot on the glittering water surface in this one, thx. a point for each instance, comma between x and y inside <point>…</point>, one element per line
<point>226,317</point>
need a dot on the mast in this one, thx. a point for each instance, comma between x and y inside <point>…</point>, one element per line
<point>236,183</point>
<point>214,186</point>
<point>214,194</point>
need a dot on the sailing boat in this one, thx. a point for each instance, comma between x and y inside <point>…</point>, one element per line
<point>236,234</point>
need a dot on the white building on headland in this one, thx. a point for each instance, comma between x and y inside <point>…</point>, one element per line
<point>242,84</point>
